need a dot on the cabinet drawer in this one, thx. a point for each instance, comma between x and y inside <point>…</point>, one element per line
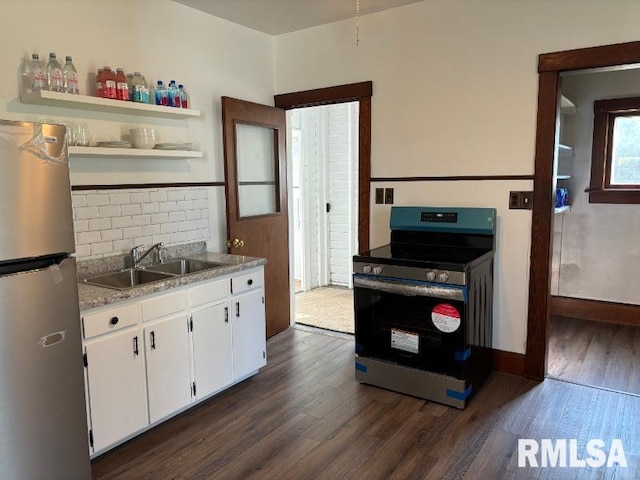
<point>209,292</point>
<point>165,305</point>
<point>248,281</point>
<point>116,318</point>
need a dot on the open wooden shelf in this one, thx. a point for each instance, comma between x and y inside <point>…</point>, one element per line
<point>107,105</point>
<point>131,152</point>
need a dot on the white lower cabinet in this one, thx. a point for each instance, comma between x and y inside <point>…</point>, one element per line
<point>150,358</point>
<point>248,333</point>
<point>212,356</point>
<point>168,366</point>
<point>116,385</point>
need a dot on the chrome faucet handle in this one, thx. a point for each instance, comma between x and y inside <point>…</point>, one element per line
<point>161,253</point>
<point>134,255</point>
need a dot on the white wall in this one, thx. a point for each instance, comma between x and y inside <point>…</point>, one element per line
<point>163,40</point>
<point>600,253</point>
<point>455,88</point>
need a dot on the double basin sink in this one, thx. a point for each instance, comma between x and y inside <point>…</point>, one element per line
<point>133,277</point>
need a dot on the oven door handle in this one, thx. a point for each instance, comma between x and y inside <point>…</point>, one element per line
<point>411,289</point>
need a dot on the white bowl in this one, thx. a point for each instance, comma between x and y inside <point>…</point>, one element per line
<point>147,143</point>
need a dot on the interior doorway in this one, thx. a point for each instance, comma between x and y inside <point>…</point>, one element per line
<point>324,189</point>
<point>550,68</point>
<point>591,243</point>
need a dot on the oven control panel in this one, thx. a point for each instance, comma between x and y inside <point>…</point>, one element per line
<point>441,217</point>
<point>410,273</point>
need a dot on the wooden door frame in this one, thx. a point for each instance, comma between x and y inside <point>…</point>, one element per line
<point>360,92</point>
<point>550,66</point>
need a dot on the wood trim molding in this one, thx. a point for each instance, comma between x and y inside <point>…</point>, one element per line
<point>596,310</point>
<point>122,186</point>
<point>452,179</point>
<point>541,230</point>
<point>593,57</point>
<point>549,66</point>
<point>360,92</point>
<point>508,362</point>
<point>324,96</point>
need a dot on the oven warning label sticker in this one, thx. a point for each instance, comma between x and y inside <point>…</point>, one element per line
<point>445,317</point>
<point>406,341</point>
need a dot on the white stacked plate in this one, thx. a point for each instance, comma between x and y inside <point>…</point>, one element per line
<point>175,146</point>
<point>114,144</point>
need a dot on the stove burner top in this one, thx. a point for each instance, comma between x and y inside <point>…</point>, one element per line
<point>420,253</point>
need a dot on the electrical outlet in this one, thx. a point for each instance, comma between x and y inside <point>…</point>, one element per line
<point>379,195</point>
<point>520,200</point>
<point>388,195</point>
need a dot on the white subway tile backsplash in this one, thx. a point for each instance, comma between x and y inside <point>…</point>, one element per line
<point>81,226</point>
<point>133,209</point>
<point>140,197</point>
<point>99,224</point>
<point>132,232</point>
<point>114,234</point>
<point>89,237</point>
<point>151,230</point>
<point>159,196</point>
<point>123,246</point>
<point>121,222</point>
<point>97,200</point>
<point>145,241</point>
<point>175,195</point>
<point>151,207</point>
<point>185,205</point>
<point>168,227</point>
<point>162,238</point>
<point>168,206</point>
<point>101,248</point>
<point>83,213</point>
<point>110,211</point>
<point>185,226</point>
<point>177,216</point>
<point>141,220</point>
<point>109,222</point>
<point>119,198</point>
<point>193,214</point>
<point>79,201</point>
<point>179,237</point>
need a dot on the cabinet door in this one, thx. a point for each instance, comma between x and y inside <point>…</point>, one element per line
<point>248,333</point>
<point>212,349</point>
<point>116,385</point>
<point>168,368</point>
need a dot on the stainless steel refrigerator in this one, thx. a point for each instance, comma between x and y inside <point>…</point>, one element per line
<point>43,423</point>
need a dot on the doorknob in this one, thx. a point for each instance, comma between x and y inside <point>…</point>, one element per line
<point>235,243</point>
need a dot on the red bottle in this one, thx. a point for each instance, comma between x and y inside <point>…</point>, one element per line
<point>122,89</point>
<point>100,83</point>
<point>110,90</point>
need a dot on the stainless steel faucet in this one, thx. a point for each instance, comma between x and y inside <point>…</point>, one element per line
<point>137,257</point>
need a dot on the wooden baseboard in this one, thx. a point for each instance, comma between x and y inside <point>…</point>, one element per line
<point>608,312</point>
<point>508,362</point>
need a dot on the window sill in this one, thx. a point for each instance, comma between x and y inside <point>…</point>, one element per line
<point>614,196</point>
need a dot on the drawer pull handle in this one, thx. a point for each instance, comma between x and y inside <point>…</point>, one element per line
<point>114,321</point>
<point>250,281</point>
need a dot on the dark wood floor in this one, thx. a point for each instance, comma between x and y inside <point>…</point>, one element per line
<point>305,417</point>
<point>600,354</point>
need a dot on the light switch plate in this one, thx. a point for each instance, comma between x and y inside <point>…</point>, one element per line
<point>388,196</point>
<point>379,195</point>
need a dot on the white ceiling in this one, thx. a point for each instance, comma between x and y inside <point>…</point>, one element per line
<point>283,16</point>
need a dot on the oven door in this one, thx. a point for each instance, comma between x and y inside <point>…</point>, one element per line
<point>415,324</point>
